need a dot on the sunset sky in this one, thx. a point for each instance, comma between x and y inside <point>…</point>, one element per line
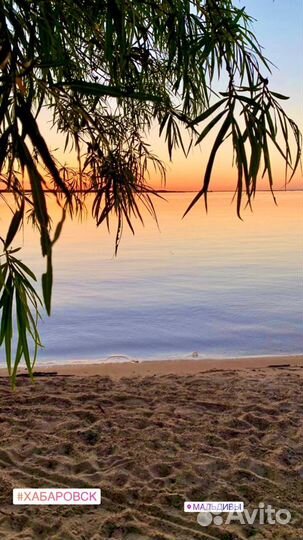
<point>278,27</point>
<point>279,30</point>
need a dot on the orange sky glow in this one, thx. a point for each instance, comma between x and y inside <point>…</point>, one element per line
<point>186,173</point>
<point>278,26</point>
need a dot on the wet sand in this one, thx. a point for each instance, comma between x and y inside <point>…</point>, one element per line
<point>185,366</point>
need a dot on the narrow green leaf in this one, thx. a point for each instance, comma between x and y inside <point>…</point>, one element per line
<point>59,227</point>
<point>219,140</point>
<point>14,225</point>
<point>279,96</point>
<point>211,124</point>
<point>25,268</point>
<point>31,128</point>
<point>47,283</point>
<point>207,113</point>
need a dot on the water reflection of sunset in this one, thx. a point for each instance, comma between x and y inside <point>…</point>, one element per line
<point>208,283</point>
<point>220,221</point>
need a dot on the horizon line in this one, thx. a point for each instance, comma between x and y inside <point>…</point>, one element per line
<point>160,190</point>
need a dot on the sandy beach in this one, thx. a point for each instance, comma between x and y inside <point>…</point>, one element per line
<point>153,435</point>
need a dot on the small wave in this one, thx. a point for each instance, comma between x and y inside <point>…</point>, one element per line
<point>119,358</point>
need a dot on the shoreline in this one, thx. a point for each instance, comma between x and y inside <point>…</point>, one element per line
<point>119,370</point>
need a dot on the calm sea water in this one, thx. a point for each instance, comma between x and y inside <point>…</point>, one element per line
<point>208,284</point>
